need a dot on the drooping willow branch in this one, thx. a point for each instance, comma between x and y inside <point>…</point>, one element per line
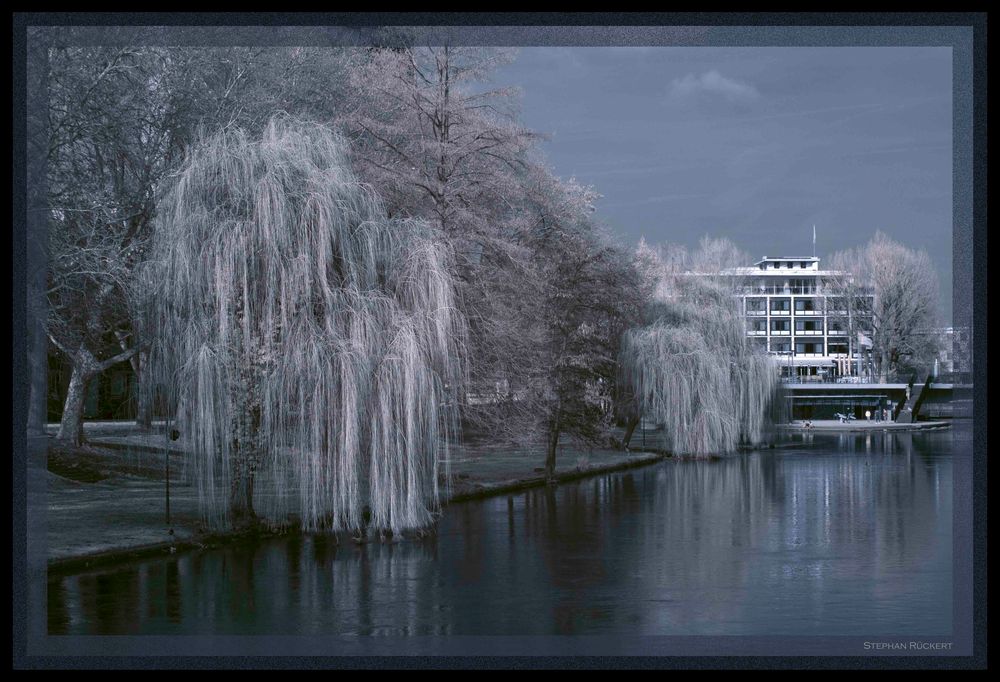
<point>311,344</point>
<point>693,369</point>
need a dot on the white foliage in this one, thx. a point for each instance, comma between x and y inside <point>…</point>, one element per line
<point>310,343</point>
<point>692,367</point>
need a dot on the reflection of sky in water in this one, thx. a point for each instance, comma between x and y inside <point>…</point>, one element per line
<point>851,536</point>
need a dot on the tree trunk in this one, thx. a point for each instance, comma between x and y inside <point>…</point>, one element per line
<point>38,364</point>
<point>71,424</point>
<point>143,398</point>
<point>85,368</point>
<point>883,368</point>
<point>144,413</point>
<point>241,495</point>
<point>246,455</point>
<point>550,454</point>
<point>241,502</point>
<point>629,430</point>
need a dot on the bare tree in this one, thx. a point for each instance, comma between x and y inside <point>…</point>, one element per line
<point>104,156</point>
<point>119,121</point>
<point>441,147</point>
<point>587,293</point>
<point>900,287</point>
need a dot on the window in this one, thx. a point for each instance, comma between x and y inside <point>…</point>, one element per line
<point>780,326</point>
<point>837,345</point>
<point>807,348</point>
<point>803,285</point>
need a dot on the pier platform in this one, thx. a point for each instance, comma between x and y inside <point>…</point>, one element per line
<point>860,425</point>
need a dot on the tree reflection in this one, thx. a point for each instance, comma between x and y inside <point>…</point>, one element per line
<point>853,529</point>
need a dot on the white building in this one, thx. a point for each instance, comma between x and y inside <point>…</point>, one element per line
<point>794,311</point>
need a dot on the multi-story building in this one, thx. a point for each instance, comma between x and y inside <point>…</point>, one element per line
<point>812,319</point>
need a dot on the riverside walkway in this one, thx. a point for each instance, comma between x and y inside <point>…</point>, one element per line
<point>113,508</point>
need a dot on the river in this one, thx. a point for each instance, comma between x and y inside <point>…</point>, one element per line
<point>826,535</point>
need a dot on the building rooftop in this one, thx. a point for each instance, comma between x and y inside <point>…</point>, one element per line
<point>810,263</point>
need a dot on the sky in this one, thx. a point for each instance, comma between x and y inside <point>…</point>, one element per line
<point>756,144</point>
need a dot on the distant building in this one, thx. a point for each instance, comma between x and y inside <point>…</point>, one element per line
<point>794,312</point>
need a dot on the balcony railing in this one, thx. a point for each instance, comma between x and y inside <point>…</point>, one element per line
<point>808,379</point>
<point>779,290</point>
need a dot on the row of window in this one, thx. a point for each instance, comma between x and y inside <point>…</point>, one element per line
<point>802,326</point>
<point>808,347</point>
<point>802,305</point>
<point>789,264</point>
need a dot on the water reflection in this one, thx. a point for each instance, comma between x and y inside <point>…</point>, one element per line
<point>848,534</point>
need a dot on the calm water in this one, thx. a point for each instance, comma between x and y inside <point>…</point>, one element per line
<point>837,535</point>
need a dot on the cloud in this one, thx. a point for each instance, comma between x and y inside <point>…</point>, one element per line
<point>713,83</point>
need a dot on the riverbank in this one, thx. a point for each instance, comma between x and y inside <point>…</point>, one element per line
<point>855,426</point>
<point>106,503</point>
<point>664,549</point>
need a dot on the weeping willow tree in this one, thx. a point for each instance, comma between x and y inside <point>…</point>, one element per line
<point>693,369</point>
<point>310,345</point>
